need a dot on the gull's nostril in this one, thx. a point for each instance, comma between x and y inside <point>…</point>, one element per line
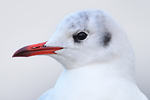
<point>44,46</point>
<point>35,47</point>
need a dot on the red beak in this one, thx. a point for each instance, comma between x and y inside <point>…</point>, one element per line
<point>36,49</point>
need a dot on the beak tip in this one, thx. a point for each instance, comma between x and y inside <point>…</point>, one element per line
<point>14,55</point>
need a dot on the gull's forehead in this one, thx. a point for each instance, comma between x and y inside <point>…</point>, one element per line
<point>79,16</point>
<point>79,19</point>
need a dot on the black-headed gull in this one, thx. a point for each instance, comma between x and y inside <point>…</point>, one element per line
<point>96,55</point>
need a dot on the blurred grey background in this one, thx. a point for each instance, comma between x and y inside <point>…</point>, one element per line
<point>24,22</point>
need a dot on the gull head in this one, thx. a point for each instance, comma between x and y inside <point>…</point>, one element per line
<point>89,37</point>
<point>84,38</point>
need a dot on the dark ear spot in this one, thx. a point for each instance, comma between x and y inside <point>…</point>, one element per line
<point>106,39</point>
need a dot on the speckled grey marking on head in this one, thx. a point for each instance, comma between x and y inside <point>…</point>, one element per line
<point>86,30</point>
<point>77,21</point>
<point>84,15</point>
<point>72,25</point>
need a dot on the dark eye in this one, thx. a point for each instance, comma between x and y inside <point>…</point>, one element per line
<point>80,36</point>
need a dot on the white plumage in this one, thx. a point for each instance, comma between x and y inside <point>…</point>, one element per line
<point>97,57</point>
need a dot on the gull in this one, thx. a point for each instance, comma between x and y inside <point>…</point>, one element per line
<point>97,57</point>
